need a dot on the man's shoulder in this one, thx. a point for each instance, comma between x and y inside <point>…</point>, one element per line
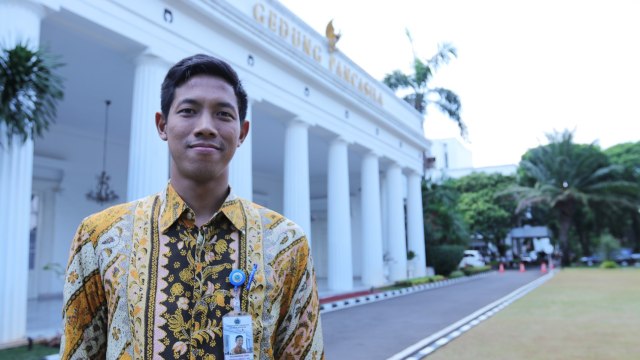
<point>277,230</point>
<point>113,214</point>
<point>269,218</point>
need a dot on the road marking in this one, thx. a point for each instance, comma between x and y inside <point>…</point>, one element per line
<point>430,344</point>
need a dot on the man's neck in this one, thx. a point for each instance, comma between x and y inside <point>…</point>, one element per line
<point>204,199</point>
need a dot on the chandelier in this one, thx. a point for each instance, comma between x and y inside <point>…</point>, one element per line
<point>103,193</point>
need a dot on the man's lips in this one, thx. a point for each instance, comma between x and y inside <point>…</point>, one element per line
<point>205,146</point>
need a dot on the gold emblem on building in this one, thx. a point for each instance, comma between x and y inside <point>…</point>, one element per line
<point>332,37</point>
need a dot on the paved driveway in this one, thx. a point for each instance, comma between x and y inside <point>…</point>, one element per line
<point>382,329</point>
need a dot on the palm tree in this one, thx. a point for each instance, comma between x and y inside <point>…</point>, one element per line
<point>422,94</point>
<point>30,89</point>
<point>565,176</point>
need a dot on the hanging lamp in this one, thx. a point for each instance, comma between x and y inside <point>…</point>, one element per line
<point>103,192</point>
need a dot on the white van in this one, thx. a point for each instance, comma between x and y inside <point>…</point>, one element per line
<point>471,258</point>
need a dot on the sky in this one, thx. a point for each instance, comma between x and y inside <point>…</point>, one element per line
<point>524,68</point>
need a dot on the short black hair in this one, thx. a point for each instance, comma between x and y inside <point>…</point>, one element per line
<point>239,337</point>
<point>201,64</point>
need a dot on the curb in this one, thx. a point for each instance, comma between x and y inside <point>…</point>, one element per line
<point>371,298</point>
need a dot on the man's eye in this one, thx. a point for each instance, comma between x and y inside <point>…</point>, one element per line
<point>225,114</point>
<point>186,111</point>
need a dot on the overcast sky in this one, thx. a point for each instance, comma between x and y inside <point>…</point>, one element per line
<point>524,68</point>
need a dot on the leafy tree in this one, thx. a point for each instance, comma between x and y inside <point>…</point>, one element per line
<point>446,234</point>
<point>443,223</point>
<point>625,154</point>
<point>421,94</point>
<point>627,221</point>
<point>565,177</point>
<point>483,212</point>
<point>29,90</point>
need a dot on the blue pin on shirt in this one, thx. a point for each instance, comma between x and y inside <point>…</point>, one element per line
<point>237,278</point>
<point>253,273</point>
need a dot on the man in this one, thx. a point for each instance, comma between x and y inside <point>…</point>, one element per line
<point>150,279</point>
<point>238,349</point>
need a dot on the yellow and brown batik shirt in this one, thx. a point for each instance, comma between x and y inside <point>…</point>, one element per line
<point>143,282</point>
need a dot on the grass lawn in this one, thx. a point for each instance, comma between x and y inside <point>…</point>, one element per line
<point>21,353</point>
<point>578,314</point>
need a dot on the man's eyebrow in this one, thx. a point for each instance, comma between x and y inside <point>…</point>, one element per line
<point>188,101</point>
<point>226,104</point>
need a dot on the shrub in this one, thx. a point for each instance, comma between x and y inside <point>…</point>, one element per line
<point>608,264</point>
<point>418,281</point>
<point>472,270</point>
<point>456,274</point>
<point>608,245</point>
<point>445,258</point>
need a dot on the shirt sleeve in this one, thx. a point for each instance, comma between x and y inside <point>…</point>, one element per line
<point>84,303</point>
<point>300,330</point>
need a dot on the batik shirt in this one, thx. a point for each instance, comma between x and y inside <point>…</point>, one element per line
<point>143,282</point>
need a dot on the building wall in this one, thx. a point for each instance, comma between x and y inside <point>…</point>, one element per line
<point>101,44</point>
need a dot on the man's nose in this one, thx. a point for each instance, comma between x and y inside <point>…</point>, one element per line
<point>206,125</point>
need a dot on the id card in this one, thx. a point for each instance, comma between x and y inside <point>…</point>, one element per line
<point>237,334</point>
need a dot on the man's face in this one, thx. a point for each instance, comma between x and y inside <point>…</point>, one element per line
<point>239,341</point>
<point>203,129</point>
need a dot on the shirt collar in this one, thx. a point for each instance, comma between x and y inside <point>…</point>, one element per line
<point>174,207</point>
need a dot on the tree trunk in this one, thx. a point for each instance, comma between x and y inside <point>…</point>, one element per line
<point>584,242</point>
<point>565,224</point>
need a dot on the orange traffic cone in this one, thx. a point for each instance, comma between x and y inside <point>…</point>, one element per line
<point>551,267</point>
<point>501,268</point>
<point>543,268</point>
<point>522,267</point>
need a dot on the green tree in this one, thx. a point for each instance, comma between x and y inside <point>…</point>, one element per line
<point>625,154</point>
<point>446,234</point>
<point>418,83</point>
<point>626,222</point>
<point>565,176</point>
<point>483,212</point>
<point>442,221</point>
<point>29,90</point>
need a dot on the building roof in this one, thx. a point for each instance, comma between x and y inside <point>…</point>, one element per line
<point>530,232</point>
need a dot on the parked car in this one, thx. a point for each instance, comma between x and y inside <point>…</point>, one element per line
<point>591,260</point>
<point>624,256</point>
<point>471,258</point>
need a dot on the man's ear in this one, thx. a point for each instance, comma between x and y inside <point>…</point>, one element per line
<point>244,131</point>
<point>161,125</point>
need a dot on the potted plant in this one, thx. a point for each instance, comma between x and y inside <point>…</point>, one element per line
<point>411,255</point>
<point>29,91</point>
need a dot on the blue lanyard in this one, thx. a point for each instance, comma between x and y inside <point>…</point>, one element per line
<point>237,278</point>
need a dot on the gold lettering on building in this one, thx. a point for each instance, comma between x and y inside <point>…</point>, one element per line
<point>306,45</point>
<point>317,56</point>
<point>272,21</point>
<point>284,28</point>
<point>258,13</point>
<point>300,40</point>
<point>295,38</point>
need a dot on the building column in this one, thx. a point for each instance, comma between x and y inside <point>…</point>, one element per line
<point>372,257</point>
<point>148,154</point>
<point>297,203</point>
<point>340,272</point>
<point>19,23</point>
<point>415,223</point>
<point>395,224</point>
<point>241,167</point>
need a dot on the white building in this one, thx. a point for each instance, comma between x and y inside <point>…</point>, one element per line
<point>330,147</point>
<point>452,159</point>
